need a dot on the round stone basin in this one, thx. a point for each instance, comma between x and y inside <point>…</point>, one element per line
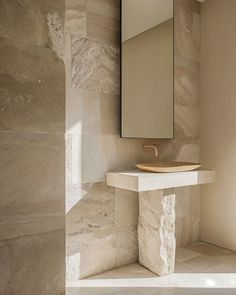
<point>165,167</point>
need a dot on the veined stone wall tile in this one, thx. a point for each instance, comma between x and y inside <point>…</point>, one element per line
<point>111,153</point>
<point>94,212</point>
<point>56,33</point>
<point>94,158</point>
<point>126,207</point>
<point>74,193</point>
<point>186,83</point>
<point>87,233</point>
<point>189,231</point>
<point>30,224</point>
<point>95,251</point>
<point>188,153</point>
<point>91,113</point>
<point>32,93</point>
<point>104,8</point>
<point>68,144</point>
<point>30,19</point>
<point>103,22</point>
<point>187,215</point>
<point>103,260</point>
<point>74,111</point>
<point>32,149</point>
<point>193,5</point>
<point>5,278</point>
<point>37,63</point>
<point>73,267</point>
<point>67,60</point>
<point>75,22</point>
<point>89,230</point>
<point>100,113</point>
<point>37,159</point>
<point>188,119</point>
<point>79,5</point>
<point>103,29</point>
<point>36,189</point>
<point>90,156</point>
<point>33,264</point>
<point>87,242</point>
<point>126,244</point>
<point>73,159</point>
<point>95,66</point>
<point>188,203</point>
<point>187,33</point>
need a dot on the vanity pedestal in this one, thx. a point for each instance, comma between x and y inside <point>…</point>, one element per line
<point>156,231</point>
<point>156,228</point>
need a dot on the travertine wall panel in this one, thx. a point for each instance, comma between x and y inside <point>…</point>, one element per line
<point>93,143</point>
<point>187,114</point>
<point>31,164</point>
<point>33,264</point>
<point>30,19</point>
<point>218,122</point>
<point>32,148</point>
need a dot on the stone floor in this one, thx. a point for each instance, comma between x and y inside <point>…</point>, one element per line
<point>200,269</point>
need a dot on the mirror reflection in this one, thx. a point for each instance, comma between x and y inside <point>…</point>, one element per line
<point>147,68</point>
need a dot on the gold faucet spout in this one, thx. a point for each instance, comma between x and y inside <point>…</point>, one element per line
<point>152,146</point>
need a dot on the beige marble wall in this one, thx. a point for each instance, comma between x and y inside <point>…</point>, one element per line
<point>218,121</point>
<point>187,114</point>
<point>101,223</point>
<point>32,152</point>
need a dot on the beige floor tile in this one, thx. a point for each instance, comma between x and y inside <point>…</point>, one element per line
<point>201,269</point>
<point>183,254</point>
<point>150,291</point>
<point>207,249</point>
<point>104,291</point>
<point>184,268</point>
<point>203,263</point>
<point>134,270</point>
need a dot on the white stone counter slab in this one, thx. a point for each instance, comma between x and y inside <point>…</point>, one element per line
<point>140,181</point>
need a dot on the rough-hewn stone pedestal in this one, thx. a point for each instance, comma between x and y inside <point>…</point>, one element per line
<point>156,231</point>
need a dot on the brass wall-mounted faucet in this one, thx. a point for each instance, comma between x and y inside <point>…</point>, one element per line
<point>152,146</point>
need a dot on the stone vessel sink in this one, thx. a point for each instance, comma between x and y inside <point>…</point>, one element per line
<point>165,167</point>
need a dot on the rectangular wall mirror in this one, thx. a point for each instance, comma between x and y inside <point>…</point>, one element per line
<point>147,49</point>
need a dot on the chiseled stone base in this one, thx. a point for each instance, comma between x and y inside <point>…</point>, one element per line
<point>156,231</point>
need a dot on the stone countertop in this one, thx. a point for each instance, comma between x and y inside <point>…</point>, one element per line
<point>140,181</point>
